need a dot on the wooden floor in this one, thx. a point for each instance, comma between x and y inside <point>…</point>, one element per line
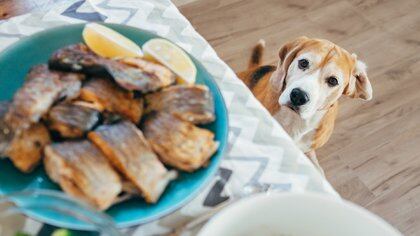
<point>373,157</point>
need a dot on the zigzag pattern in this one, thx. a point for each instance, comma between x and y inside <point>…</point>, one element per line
<point>90,16</point>
<point>131,11</point>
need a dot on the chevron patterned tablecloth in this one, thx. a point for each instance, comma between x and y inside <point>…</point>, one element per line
<point>259,150</point>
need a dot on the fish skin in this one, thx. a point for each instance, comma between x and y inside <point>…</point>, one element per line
<point>179,143</point>
<point>156,76</point>
<point>71,120</point>
<point>78,58</point>
<point>83,172</point>
<point>193,103</point>
<point>126,148</point>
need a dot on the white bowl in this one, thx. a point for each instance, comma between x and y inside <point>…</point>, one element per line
<point>295,214</point>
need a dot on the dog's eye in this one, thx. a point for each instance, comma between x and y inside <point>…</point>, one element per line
<point>303,64</point>
<point>332,81</point>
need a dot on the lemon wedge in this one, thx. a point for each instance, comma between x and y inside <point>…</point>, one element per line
<point>108,43</point>
<point>172,57</point>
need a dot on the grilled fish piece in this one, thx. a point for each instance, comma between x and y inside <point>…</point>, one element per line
<point>25,149</point>
<point>179,143</point>
<point>126,148</point>
<point>151,76</point>
<point>40,90</point>
<point>107,96</point>
<point>83,172</point>
<point>71,120</point>
<point>78,58</point>
<point>192,103</point>
<point>6,134</point>
<point>70,83</point>
<point>138,75</point>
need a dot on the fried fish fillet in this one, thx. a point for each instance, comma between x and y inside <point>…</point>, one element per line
<point>179,143</point>
<point>78,58</point>
<point>193,103</point>
<point>127,149</point>
<point>107,96</point>
<point>131,76</point>
<point>83,172</point>
<point>71,120</point>
<point>25,149</point>
<point>154,76</point>
<point>40,90</point>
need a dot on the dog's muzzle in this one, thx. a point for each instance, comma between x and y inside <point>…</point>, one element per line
<point>298,97</point>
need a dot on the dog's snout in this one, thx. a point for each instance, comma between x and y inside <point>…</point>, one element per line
<point>298,97</point>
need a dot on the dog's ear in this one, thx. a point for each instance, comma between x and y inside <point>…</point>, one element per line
<point>359,85</point>
<point>287,53</point>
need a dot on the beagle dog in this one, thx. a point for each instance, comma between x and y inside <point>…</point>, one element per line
<point>302,91</point>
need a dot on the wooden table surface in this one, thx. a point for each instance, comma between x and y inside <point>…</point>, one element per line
<point>373,157</point>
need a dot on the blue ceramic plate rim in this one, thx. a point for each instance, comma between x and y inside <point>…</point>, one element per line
<point>217,157</point>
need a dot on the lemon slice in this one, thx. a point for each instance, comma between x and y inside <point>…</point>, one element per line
<point>107,42</point>
<point>173,57</point>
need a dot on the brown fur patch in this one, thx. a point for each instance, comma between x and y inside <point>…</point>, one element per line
<point>325,128</point>
<point>266,94</point>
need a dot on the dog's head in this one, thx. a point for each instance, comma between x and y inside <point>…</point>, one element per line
<point>314,73</point>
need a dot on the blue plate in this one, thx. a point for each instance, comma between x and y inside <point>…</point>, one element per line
<point>15,62</point>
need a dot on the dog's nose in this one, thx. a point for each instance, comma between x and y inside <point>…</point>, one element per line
<point>298,97</point>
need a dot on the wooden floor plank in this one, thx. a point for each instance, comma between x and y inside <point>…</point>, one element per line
<point>401,207</point>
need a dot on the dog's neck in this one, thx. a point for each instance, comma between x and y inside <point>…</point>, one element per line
<point>309,134</point>
<point>294,124</point>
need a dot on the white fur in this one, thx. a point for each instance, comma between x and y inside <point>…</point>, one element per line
<point>310,85</point>
<point>313,82</point>
<point>361,67</point>
<point>301,130</point>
